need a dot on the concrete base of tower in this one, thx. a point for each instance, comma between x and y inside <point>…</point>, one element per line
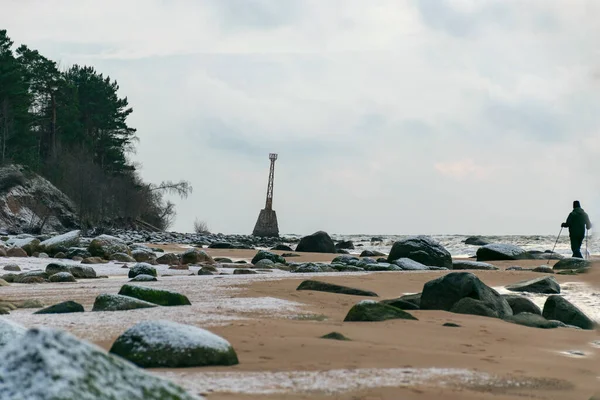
<point>266,225</point>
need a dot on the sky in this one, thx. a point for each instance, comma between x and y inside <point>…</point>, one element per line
<point>389,116</point>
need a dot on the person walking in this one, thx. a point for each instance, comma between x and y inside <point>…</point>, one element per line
<point>577,222</point>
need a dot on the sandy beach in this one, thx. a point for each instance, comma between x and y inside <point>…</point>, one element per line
<point>276,331</point>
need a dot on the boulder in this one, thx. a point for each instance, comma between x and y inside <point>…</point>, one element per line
<point>168,259</point>
<point>12,267</point>
<point>520,304</point>
<point>372,253</point>
<point>62,308</point>
<point>444,292</point>
<point>468,305</point>
<point>155,296</point>
<point>264,263</point>
<point>498,252</point>
<point>10,330</point>
<point>560,309</point>
<point>167,344</point>
<point>47,364</point>
<point>60,243</point>
<point>282,247</point>
<point>346,244</point>
<point>544,269</point>
<point>318,242</point>
<point>93,260</point>
<point>400,303</point>
<point>82,272</point>
<point>143,278</point>
<point>104,246</point>
<point>381,267</point>
<point>243,271</point>
<point>263,254</point>
<point>77,252</point>
<point>143,255</point>
<point>544,284</point>
<point>335,336</point>
<point>116,302</point>
<point>571,263</point>
<point>16,252</point>
<point>406,264</point>
<point>141,269</point>
<point>205,271</point>
<point>308,269</point>
<point>422,249</point>
<point>534,320</point>
<point>332,288</point>
<point>29,244</point>
<point>412,298</point>
<point>62,277</point>
<point>476,241</point>
<point>55,268</point>
<point>221,245</point>
<point>346,268</point>
<point>472,265</point>
<point>195,256</point>
<point>345,259</point>
<point>370,310</point>
<point>122,257</point>
<point>223,260</point>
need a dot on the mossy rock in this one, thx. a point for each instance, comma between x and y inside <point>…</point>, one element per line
<point>370,310</point>
<point>122,257</point>
<point>267,255</point>
<point>155,296</point>
<point>62,277</point>
<point>104,246</point>
<point>332,288</point>
<point>167,344</point>
<point>335,336</point>
<point>56,267</point>
<point>116,302</point>
<point>142,269</point>
<point>62,308</point>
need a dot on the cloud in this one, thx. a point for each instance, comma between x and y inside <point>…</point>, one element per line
<point>462,169</point>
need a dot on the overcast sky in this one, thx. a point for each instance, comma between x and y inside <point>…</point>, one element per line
<point>389,116</point>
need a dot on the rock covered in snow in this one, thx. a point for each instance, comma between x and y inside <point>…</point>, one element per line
<point>143,278</point>
<point>60,243</point>
<point>117,302</point>
<point>26,242</point>
<point>167,344</point>
<point>142,269</point>
<point>10,330</point>
<point>105,246</point>
<point>47,364</point>
<point>194,256</point>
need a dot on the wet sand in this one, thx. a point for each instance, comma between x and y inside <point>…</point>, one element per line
<point>276,332</point>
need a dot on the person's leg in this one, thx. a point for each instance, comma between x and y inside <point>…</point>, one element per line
<point>576,246</point>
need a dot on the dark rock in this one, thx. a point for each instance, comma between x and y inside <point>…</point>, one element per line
<point>143,278</point>
<point>401,304</point>
<point>370,310</point>
<point>372,253</point>
<point>243,271</point>
<point>545,284</point>
<point>444,292</point>
<point>12,267</point>
<point>141,269</point>
<point>205,271</point>
<point>82,272</point>
<point>195,256</point>
<point>62,277</point>
<point>560,309</point>
<point>422,249</point>
<point>406,264</point>
<point>544,269</point>
<point>468,305</point>
<point>347,245</point>
<point>308,268</point>
<point>534,321</point>
<point>122,257</point>
<point>221,245</point>
<point>571,263</point>
<point>62,308</point>
<point>318,242</point>
<point>155,296</point>
<point>412,298</point>
<point>77,252</point>
<point>144,255</point>
<point>223,260</point>
<point>381,267</point>
<point>116,302</point>
<point>472,265</point>
<point>517,268</point>
<point>344,259</point>
<point>267,255</point>
<point>520,304</point>
<point>332,288</point>
<point>166,344</point>
<point>451,325</point>
<point>346,268</point>
<point>282,247</point>
<point>93,260</point>
<point>104,246</point>
<point>498,252</point>
<point>342,251</point>
<point>334,336</point>
<point>55,268</point>
<point>476,241</point>
<point>168,259</point>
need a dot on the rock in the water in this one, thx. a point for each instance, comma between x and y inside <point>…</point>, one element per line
<point>498,252</point>
<point>16,252</point>
<point>472,265</point>
<point>534,320</point>
<point>370,310</point>
<point>143,278</point>
<point>345,244</point>
<point>243,271</point>
<point>334,336</point>
<point>155,296</point>
<point>10,330</point>
<point>142,269</point>
<point>62,277</point>
<point>545,285</point>
<point>571,263</point>
<point>93,260</point>
<point>318,242</point>
<point>520,304</point>
<point>267,255</point>
<point>116,302</point>
<point>406,264</point>
<point>422,249</point>
<point>104,246</point>
<point>468,305</point>
<point>168,259</point>
<point>476,241</point>
<point>332,288</point>
<point>60,243</point>
<point>12,267</point>
<point>560,309</point>
<point>444,292</point>
<point>167,344</point>
<point>82,271</point>
<point>62,308</point>
<point>195,256</point>
<point>47,364</point>
<point>401,304</point>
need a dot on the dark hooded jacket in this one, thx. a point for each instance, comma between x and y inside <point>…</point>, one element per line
<point>577,222</point>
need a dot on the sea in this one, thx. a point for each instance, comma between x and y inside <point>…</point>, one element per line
<point>455,244</point>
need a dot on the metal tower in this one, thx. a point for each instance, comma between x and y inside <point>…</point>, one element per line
<point>266,225</point>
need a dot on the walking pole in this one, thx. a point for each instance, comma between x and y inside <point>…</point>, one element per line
<point>561,228</point>
<point>586,248</point>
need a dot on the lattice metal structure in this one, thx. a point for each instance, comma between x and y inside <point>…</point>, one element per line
<point>266,225</point>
